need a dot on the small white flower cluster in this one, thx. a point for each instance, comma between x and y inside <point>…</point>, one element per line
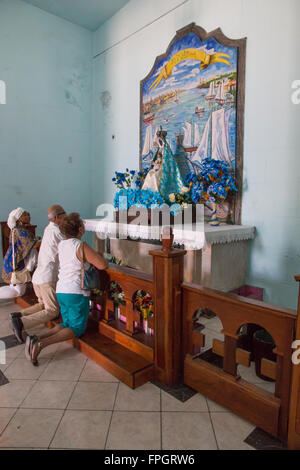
<point>172,197</point>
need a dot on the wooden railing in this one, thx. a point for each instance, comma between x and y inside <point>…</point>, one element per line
<point>130,281</point>
<point>226,386</point>
<point>177,344</point>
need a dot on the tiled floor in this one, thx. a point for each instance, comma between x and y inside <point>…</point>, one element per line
<point>69,402</point>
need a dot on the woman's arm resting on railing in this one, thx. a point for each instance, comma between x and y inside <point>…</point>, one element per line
<point>97,259</point>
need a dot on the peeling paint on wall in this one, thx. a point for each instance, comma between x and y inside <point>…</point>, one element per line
<point>71,99</point>
<point>105,98</point>
<point>76,86</point>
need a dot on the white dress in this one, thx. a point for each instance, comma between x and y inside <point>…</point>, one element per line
<point>152,180</point>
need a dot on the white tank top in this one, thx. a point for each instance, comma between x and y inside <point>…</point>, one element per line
<point>69,274</point>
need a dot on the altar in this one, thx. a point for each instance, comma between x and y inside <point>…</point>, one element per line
<point>216,256</point>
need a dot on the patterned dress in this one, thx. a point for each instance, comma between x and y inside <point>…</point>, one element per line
<point>170,180</point>
<point>24,241</point>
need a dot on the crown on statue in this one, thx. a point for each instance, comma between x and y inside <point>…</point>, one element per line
<point>162,134</point>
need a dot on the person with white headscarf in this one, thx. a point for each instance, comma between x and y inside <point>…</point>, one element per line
<point>21,248</point>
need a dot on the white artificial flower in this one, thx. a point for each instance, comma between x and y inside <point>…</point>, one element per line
<point>184,205</point>
<point>172,197</point>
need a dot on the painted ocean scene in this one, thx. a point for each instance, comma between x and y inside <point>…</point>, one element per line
<point>191,94</point>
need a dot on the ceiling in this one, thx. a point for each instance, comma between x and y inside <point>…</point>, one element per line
<point>87,13</point>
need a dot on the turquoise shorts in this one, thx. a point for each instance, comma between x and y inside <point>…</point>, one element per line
<point>74,309</point>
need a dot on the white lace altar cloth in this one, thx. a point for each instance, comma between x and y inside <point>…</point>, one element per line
<point>193,237</point>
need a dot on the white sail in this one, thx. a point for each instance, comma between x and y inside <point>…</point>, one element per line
<point>201,151</point>
<point>197,137</point>
<point>223,97</point>
<point>187,139</point>
<point>220,139</point>
<point>148,144</point>
<point>212,89</point>
<point>221,92</point>
<point>155,138</point>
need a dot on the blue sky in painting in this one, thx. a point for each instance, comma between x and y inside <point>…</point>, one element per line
<point>187,74</point>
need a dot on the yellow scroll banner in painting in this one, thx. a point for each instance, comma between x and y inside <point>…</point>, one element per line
<point>202,56</point>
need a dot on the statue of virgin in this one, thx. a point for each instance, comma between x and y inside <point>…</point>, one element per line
<point>164,176</point>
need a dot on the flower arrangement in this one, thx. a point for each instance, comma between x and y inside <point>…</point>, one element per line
<point>116,294</point>
<point>126,198</point>
<point>144,304</point>
<point>112,259</point>
<point>183,198</point>
<point>129,179</point>
<point>213,182</point>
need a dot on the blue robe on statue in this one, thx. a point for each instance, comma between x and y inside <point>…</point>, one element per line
<point>171,181</point>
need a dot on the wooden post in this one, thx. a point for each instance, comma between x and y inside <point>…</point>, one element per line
<point>230,345</point>
<point>294,415</point>
<point>167,277</point>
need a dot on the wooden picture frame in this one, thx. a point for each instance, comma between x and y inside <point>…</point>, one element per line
<point>163,72</point>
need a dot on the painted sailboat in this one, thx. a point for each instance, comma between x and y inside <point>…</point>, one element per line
<point>211,92</point>
<point>197,137</point>
<point>187,136</point>
<point>191,137</point>
<point>215,138</point>
<point>199,110</point>
<point>148,118</point>
<point>148,143</point>
<point>221,97</point>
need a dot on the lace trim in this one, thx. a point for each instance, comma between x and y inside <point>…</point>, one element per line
<point>190,238</point>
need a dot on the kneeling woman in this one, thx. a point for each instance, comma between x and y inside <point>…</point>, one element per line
<point>73,301</point>
<point>21,255</point>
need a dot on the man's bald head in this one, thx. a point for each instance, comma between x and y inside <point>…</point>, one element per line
<point>55,213</point>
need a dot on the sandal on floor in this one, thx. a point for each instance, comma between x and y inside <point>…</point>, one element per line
<point>35,350</point>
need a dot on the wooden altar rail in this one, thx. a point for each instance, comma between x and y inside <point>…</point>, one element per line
<point>176,334</point>
<point>169,356</point>
<point>131,281</point>
<point>224,385</point>
<point>164,348</point>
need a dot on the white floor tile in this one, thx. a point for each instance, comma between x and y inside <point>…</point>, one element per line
<point>31,428</point>
<point>134,430</point>
<point>82,430</point>
<point>144,398</point>
<point>49,394</point>
<point>231,431</point>
<point>184,431</point>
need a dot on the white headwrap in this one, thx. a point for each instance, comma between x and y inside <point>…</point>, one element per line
<point>14,216</point>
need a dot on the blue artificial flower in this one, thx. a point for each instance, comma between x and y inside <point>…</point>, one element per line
<point>196,193</point>
<point>175,209</point>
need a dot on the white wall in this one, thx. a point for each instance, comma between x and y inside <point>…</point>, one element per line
<point>46,64</point>
<point>126,47</point>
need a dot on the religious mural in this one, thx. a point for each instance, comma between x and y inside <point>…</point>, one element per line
<point>191,93</point>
